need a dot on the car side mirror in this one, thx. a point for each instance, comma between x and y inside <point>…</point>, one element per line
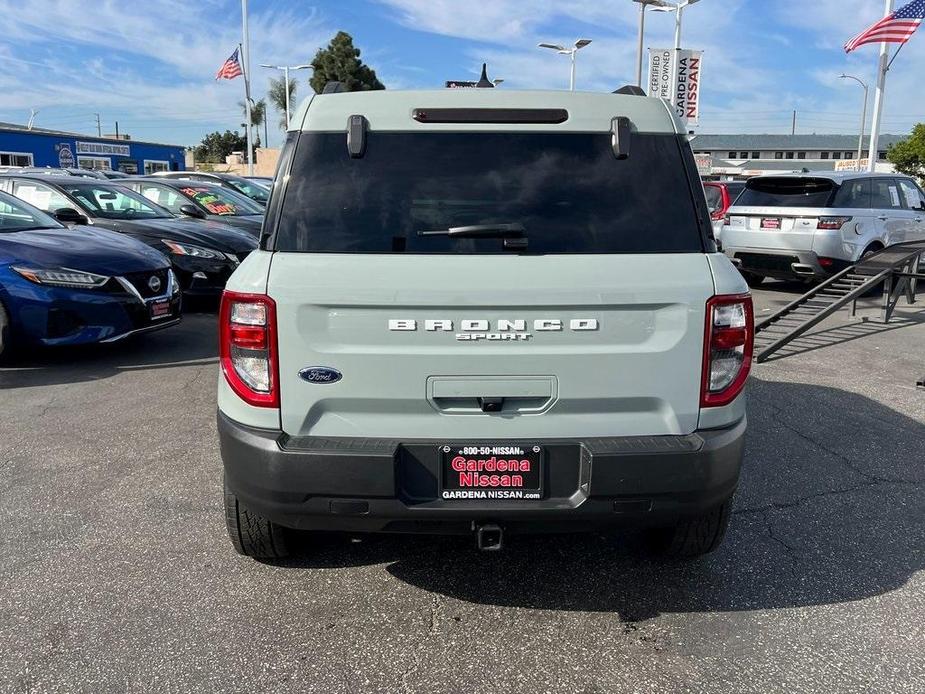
<point>68,215</point>
<point>192,211</point>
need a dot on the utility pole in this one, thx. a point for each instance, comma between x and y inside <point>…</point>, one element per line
<point>793,127</point>
<point>878,97</point>
<point>99,127</point>
<point>117,130</point>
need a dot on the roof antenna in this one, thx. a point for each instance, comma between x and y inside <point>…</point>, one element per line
<point>31,118</point>
<point>484,82</point>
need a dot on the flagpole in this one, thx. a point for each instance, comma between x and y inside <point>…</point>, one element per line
<point>878,98</point>
<point>246,68</point>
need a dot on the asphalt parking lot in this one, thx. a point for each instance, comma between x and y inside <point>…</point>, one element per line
<point>117,575</point>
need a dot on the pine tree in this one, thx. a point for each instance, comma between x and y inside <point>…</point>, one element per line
<point>340,62</point>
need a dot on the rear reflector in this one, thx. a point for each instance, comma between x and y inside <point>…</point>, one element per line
<point>728,342</point>
<point>248,347</point>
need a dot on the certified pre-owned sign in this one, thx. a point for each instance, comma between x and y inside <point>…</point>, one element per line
<point>675,76</point>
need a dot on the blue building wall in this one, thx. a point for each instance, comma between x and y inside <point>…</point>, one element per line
<point>67,150</point>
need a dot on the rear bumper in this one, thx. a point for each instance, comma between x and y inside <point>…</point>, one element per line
<point>782,264</point>
<point>385,485</point>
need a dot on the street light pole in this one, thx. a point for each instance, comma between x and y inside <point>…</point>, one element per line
<point>642,33</point>
<point>286,69</point>
<point>863,115</point>
<point>562,50</point>
<point>643,4</point>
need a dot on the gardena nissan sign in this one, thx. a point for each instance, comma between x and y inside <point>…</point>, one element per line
<point>680,81</point>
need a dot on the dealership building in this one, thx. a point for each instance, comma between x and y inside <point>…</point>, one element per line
<point>741,156</point>
<point>23,146</point>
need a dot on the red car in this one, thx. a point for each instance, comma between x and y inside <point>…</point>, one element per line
<point>721,195</point>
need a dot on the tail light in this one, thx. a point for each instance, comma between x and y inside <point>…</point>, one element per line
<point>832,222</point>
<point>248,347</point>
<point>826,262</point>
<point>727,348</point>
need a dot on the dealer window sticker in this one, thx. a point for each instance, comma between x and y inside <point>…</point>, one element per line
<point>210,201</point>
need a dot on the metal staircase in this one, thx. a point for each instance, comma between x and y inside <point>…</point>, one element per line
<point>895,268</point>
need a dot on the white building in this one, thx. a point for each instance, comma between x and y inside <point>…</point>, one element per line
<point>724,156</point>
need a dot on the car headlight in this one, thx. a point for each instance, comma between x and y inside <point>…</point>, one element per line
<point>62,277</point>
<point>192,251</point>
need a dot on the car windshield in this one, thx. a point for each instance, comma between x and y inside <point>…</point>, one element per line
<point>251,189</point>
<point>558,192</point>
<point>221,201</point>
<point>15,216</point>
<point>113,202</point>
<point>786,192</point>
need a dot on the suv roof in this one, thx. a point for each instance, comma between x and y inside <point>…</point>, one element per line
<point>392,110</point>
<point>836,176</point>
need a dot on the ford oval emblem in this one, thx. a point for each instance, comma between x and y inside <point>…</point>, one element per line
<point>320,374</point>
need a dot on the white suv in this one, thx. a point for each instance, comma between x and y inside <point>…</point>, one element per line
<point>471,314</point>
<point>814,225</point>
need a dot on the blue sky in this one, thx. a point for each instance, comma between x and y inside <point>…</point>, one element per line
<point>150,65</point>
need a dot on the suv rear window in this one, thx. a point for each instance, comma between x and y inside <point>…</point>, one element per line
<point>786,192</point>
<point>568,191</point>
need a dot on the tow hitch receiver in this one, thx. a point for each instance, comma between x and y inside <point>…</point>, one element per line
<point>490,537</point>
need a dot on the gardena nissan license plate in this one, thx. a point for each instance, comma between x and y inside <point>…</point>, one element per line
<point>160,309</point>
<point>491,472</point>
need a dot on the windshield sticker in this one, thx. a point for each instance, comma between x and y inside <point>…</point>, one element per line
<point>210,201</point>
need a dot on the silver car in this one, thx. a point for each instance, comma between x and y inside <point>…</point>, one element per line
<point>816,224</point>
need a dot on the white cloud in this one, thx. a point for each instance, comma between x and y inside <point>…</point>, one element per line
<point>153,71</point>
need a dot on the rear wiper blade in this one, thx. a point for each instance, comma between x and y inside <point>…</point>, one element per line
<point>499,231</point>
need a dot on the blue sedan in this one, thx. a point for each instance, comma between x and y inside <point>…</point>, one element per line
<point>65,287</point>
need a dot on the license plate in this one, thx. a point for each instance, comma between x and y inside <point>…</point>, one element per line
<point>491,472</point>
<point>770,223</point>
<point>160,309</point>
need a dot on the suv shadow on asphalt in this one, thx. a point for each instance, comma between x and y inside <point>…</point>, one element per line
<point>829,510</point>
<point>193,342</point>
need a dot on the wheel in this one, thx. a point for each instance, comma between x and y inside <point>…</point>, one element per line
<point>752,280</point>
<point>251,534</point>
<point>5,344</point>
<point>693,536</point>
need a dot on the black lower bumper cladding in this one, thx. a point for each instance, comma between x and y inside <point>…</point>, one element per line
<point>372,485</point>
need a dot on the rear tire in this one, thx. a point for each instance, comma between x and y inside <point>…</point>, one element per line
<point>692,536</point>
<point>753,280</point>
<point>251,534</point>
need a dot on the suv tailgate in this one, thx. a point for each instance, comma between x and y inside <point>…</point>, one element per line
<point>631,366</point>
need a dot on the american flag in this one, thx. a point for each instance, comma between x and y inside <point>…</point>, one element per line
<point>231,68</point>
<point>894,28</point>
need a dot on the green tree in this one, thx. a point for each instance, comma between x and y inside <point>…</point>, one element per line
<point>216,146</point>
<point>908,156</point>
<point>340,62</point>
<point>258,116</point>
<point>277,96</point>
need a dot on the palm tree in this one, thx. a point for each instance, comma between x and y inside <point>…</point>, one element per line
<point>258,116</point>
<point>277,96</point>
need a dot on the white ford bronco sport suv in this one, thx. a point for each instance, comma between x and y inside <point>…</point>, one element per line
<point>488,312</point>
